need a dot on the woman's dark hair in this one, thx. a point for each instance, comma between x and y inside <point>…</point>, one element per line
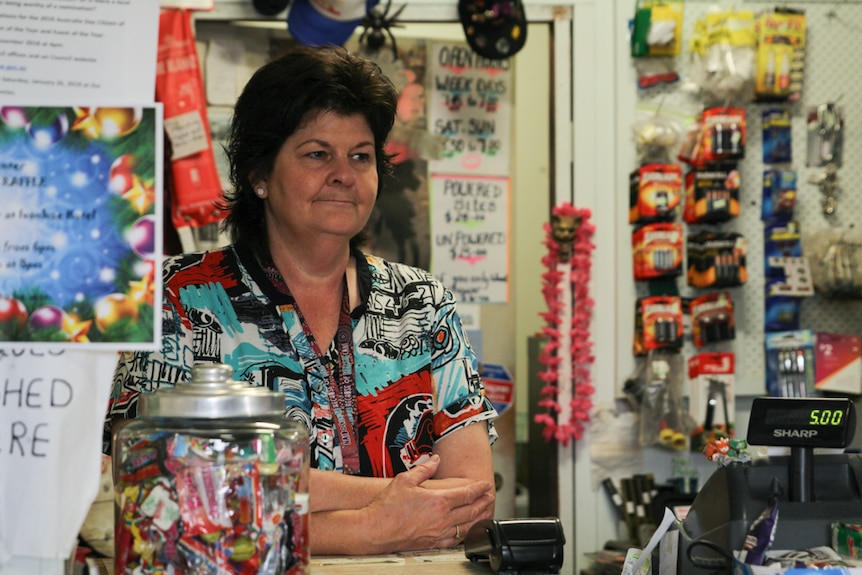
<point>275,102</point>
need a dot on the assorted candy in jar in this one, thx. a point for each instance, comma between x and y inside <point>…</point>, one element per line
<point>211,480</point>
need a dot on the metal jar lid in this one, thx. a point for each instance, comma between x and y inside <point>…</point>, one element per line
<point>212,394</point>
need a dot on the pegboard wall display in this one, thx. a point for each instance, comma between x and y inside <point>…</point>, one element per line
<point>831,76</point>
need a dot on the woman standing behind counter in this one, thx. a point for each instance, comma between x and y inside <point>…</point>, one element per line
<point>370,354</point>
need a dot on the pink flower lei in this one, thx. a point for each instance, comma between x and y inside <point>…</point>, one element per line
<point>580,347</point>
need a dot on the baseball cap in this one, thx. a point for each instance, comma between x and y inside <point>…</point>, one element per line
<point>495,29</point>
<point>320,22</point>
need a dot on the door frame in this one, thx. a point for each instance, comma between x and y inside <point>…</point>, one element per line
<point>585,48</point>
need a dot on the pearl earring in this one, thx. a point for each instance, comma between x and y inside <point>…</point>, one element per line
<point>260,192</point>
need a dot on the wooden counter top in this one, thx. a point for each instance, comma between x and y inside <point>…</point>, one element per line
<point>442,562</point>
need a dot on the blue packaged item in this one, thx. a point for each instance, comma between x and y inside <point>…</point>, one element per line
<point>777,136</point>
<point>781,312</point>
<point>780,240</point>
<point>779,195</point>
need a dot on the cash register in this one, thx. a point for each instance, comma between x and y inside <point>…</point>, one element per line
<point>814,490</point>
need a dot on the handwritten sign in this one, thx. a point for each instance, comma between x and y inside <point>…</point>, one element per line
<point>80,240</point>
<point>188,134</point>
<point>469,221</point>
<point>52,406</point>
<point>469,103</point>
<point>64,49</point>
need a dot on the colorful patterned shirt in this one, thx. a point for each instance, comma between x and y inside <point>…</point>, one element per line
<point>416,376</point>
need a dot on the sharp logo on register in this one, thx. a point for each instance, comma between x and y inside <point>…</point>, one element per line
<point>799,433</point>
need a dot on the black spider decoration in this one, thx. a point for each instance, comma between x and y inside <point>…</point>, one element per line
<point>377,23</point>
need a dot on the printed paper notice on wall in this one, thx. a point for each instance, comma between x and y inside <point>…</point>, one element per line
<point>470,234</point>
<point>469,103</point>
<point>52,409</point>
<point>78,51</point>
<point>81,233</point>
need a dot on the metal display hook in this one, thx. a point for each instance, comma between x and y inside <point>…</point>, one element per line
<point>827,181</point>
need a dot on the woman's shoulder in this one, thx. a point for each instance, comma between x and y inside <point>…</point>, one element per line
<point>398,272</point>
<point>197,256</point>
<point>394,281</point>
<point>200,263</point>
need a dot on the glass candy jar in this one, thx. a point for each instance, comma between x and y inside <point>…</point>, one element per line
<point>211,479</point>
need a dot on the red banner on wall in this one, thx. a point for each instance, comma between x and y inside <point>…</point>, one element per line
<point>179,86</point>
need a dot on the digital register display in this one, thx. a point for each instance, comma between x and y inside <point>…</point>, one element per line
<point>802,422</point>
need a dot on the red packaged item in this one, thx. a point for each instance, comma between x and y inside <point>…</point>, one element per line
<point>716,259</point>
<point>711,397</point>
<point>712,319</point>
<point>144,465</point>
<point>711,195</point>
<point>723,134</point>
<point>657,251</point>
<point>655,192</point>
<point>658,323</point>
<point>200,508</point>
<point>243,495</point>
<point>179,86</point>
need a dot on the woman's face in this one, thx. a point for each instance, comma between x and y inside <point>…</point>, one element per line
<point>324,181</point>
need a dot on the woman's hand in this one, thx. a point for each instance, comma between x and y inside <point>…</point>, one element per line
<point>446,508</point>
<point>432,505</point>
<point>407,514</point>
